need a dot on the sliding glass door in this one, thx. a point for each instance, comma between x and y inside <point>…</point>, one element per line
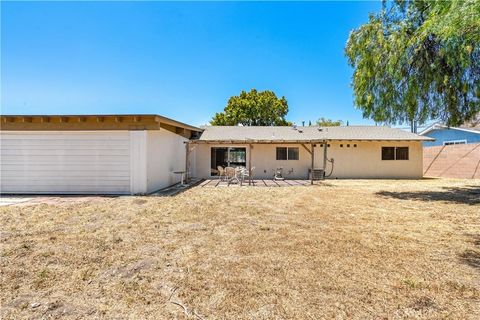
<point>227,157</point>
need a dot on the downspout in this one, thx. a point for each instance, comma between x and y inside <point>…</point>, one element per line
<point>325,159</point>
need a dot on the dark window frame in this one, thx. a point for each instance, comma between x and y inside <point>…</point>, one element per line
<point>293,153</point>
<point>404,155</point>
<point>290,153</point>
<point>395,153</point>
<point>388,153</point>
<point>284,152</point>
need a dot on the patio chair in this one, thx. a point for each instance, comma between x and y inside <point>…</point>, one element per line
<point>221,172</point>
<point>246,174</point>
<point>231,174</point>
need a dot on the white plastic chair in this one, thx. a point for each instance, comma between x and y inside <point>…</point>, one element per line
<point>248,175</point>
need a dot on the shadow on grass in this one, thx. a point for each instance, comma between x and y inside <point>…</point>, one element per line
<point>471,257</point>
<point>176,189</point>
<point>463,195</point>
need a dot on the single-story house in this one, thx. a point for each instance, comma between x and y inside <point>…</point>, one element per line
<point>340,152</point>
<point>445,135</point>
<point>91,154</point>
<point>139,154</point>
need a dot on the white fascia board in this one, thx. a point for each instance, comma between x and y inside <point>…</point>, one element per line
<point>434,126</point>
<point>441,126</point>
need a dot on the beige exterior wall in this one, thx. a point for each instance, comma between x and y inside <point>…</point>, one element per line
<point>363,161</point>
<point>166,153</point>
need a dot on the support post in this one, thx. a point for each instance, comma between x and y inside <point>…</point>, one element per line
<point>324,156</point>
<point>313,162</point>
<point>249,164</point>
<point>187,161</point>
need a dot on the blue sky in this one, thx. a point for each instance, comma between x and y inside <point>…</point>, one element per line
<point>181,60</point>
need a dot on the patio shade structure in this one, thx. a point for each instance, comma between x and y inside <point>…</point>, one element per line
<point>250,142</point>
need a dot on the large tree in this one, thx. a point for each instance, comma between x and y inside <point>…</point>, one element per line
<point>418,60</point>
<point>324,122</point>
<point>254,108</point>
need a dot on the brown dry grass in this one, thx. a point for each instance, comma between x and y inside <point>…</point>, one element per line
<point>343,249</point>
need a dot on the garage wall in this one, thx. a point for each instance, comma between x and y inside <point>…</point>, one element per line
<point>65,162</point>
<point>166,153</point>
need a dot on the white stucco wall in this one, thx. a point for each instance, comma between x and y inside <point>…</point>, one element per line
<point>166,153</point>
<point>364,161</point>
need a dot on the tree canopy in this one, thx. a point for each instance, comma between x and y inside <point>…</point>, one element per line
<point>418,60</point>
<point>254,108</point>
<point>323,122</point>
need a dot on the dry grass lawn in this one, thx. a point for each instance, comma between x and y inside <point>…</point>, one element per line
<point>351,249</point>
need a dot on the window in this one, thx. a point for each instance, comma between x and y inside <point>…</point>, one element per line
<point>341,145</point>
<point>226,157</point>
<point>348,146</point>
<point>355,145</point>
<point>448,143</point>
<point>401,153</point>
<point>394,153</point>
<point>388,153</point>
<point>284,153</point>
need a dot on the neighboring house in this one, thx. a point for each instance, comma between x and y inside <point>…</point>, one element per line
<point>357,151</point>
<point>138,154</point>
<point>88,154</point>
<point>444,135</point>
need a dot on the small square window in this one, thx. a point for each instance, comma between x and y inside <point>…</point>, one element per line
<point>355,145</point>
<point>282,153</point>
<point>328,145</point>
<point>348,146</point>
<point>401,153</point>
<point>388,153</point>
<point>341,146</point>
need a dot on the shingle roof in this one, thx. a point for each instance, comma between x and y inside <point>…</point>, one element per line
<point>307,134</point>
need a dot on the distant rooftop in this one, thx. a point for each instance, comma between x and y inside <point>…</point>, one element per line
<point>475,128</point>
<point>304,134</point>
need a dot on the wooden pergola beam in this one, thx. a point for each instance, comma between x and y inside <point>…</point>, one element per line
<point>305,147</point>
